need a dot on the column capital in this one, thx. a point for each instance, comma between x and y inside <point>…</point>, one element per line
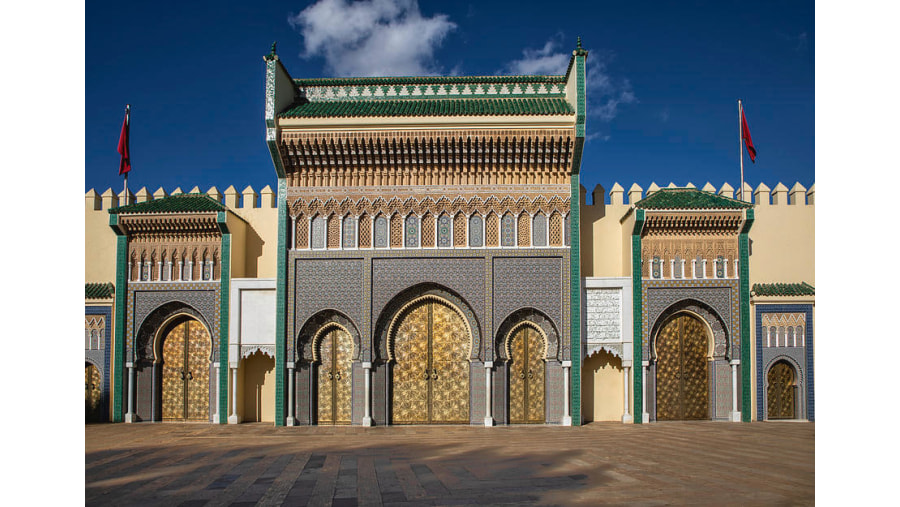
<point>367,365</point>
<point>289,365</point>
<point>488,364</point>
<point>129,364</point>
<point>734,362</point>
<point>567,364</point>
<point>645,363</point>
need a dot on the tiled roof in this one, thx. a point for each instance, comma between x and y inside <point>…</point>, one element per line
<point>98,290</point>
<point>178,203</point>
<point>783,289</point>
<point>419,80</point>
<point>688,198</point>
<point>430,107</point>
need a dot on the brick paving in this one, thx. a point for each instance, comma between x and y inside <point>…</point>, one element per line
<point>690,463</point>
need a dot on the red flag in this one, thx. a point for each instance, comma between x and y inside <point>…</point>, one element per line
<point>125,161</point>
<point>745,135</point>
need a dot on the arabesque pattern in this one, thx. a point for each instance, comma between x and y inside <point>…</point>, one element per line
<point>780,391</point>
<point>682,388</point>
<point>335,379</point>
<point>526,377</point>
<point>431,374</point>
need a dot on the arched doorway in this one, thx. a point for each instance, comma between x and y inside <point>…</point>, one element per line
<point>93,411</point>
<point>259,387</point>
<point>186,349</point>
<point>780,391</point>
<point>682,374</point>
<point>526,376</point>
<point>334,352</point>
<point>430,376</point>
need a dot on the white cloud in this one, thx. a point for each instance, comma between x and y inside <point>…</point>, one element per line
<point>604,92</point>
<point>372,38</point>
<point>542,61</point>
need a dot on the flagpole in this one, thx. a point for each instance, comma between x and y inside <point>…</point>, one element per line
<point>127,126</point>
<point>741,144</point>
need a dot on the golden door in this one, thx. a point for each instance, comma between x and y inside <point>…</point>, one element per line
<point>526,377</point>
<point>431,374</point>
<point>92,393</point>
<point>185,373</point>
<point>780,391</point>
<point>336,358</point>
<point>682,388</point>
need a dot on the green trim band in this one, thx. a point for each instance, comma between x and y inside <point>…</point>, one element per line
<point>746,342</point>
<point>224,287</point>
<point>118,340</point>
<point>637,315</point>
<point>281,305</point>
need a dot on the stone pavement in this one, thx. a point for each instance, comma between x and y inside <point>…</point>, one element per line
<point>688,463</point>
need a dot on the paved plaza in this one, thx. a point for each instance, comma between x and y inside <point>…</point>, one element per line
<point>701,463</point>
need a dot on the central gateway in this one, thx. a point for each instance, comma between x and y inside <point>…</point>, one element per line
<point>682,380</point>
<point>185,379</point>
<point>431,374</point>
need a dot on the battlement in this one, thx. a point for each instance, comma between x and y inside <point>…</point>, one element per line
<point>234,200</point>
<point>798,195</point>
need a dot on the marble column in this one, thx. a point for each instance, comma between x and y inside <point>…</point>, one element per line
<point>645,416</point>
<point>290,420</point>
<point>626,415</point>
<point>735,413</point>
<point>233,418</point>
<point>488,416</point>
<point>367,417</point>
<point>129,416</point>
<point>567,418</point>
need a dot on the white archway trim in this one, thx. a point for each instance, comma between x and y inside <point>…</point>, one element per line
<point>249,350</point>
<point>613,348</point>
<point>532,325</point>
<point>164,329</point>
<point>321,333</point>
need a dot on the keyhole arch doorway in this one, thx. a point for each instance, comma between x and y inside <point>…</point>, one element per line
<point>333,354</point>
<point>526,350</point>
<point>183,353</point>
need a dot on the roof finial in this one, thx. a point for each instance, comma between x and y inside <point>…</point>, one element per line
<point>273,48</point>
<point>579,44</point>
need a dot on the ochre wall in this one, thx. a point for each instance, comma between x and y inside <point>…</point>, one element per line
<point>99,244</point>
<point>783,244</point>
<point>602,391</point>
<point>259,388</point>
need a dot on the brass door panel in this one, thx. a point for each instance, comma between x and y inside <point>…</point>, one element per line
<point>185,373</point>
<point>431,374</point>
<point>335,378</point>
<point>92,392</point>
<point>780,391</point>
<point>682,388</point>
<point>526,377</point>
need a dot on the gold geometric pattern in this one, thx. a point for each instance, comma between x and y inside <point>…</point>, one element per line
<point>301,238</point>
<point>780,391</point>
<point>185,379</point>
<point>492,230</point>
<point>92,382</point>
<point>524,229</point>
<point>396,231</point>
<point>335,382</point>
<point>681,370</point>
<point>556,238</point>
<point>334,231</point>
<point>459,230</point>
<point>431,373</point>
<point>526,377</point>
<point>365,231</point>
<point>428,235</point>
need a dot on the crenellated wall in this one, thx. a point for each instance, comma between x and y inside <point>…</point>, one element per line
<point>257,255</point>
<point>782,239</point>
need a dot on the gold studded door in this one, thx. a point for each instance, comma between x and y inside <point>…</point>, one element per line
<point>682,388</point>
<point>431,373</point>
<point>185,373</point>
<point>92,392</point>
<point>334,371</point>
<point>526,377</point>
<point>780,391</point>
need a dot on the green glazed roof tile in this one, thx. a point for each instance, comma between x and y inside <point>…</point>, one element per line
<point>426,80</point>
<point>688,198</point>
<point>98,290</point>
<point>430,107</point>
<point>178,203</point>
<point>783,289</point>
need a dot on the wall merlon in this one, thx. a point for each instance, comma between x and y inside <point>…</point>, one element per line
<point>214,193</point>
<point>690,185</point>
<point>142,195</point>
<point>92,200</point>
<point>617,194</point>
<point>652,188</point>
<point>797,195</point>
<point>811,195</point>
<point>195,190</point>
<point>129,200</point>
<point>160,194</point>
<point>177,190</point>
<point>747,193</point>
<point>780,194</point>
<point>634,193</point>
<point>109,199</point>
<point>232,197</point>
<point>708,188</point>
<point>727,191</point>
<point>267,198</point>
<point>598,195</point>
<point>249,200</point>
<point>761,195</point>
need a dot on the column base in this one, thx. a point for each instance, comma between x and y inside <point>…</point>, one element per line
<point>234,419</point>
<point>627,418</point>
<point>567,420</point>
<point>290,421</point>
<point>368,422</point>
<point>488,422</point>
<point>735,417</point>
<point>645,418</point>
<point>129,418</point>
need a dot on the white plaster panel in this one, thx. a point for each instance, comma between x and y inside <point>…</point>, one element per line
<point>257,316</point>
<point>607,306</point>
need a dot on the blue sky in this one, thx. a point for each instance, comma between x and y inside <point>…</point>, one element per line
<point>663,80</point>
